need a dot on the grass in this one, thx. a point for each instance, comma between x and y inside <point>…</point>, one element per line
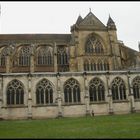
<point>116,126</point>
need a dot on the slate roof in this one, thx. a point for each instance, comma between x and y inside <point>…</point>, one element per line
<point>61,37</point>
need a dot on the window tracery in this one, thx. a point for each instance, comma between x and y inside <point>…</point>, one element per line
<point>90,65</point>
<point>118,89</point>
<point>4,52</point>
<point>15,93</point>
<point>72,91</point>
<point>45,56</point>
<point>86,65</point>
<point>24,56</point>
<point>106,65</point>
<point>93,45</point>
<point>44,92</point>
<point>62,59</point>
<point>136,87</point>
<point>96,90</point>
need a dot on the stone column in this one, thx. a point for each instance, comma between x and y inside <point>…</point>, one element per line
<point>110,97</point>
<point>132,101</point>
<point>55,57</point>
<point>59,98</point>
<point>29,97</point>
<point>0,98</point>
<point>130,89</point>
<point>32,63</point>
<point>87,102</point>
<point>7,64</point>
<point>110,102</point>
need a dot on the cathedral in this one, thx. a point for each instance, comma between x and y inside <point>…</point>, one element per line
<point>86,72</point>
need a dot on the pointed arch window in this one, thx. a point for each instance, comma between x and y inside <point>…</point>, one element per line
<point>106,65</point>
<point>98,47</point>
<point>136,87</point>
<point>118,89</point>
<point>63,58</point>
<point>93,45</point>
<point>24,56</point>
<point>89,47</point>
<point>45,56</point>
<point>71,91</point>
<point>86,65</point>
<point>96,90</point>
<point>100,65</point>
<point>15,93</point>
<point>50,57</point>
<point>92,65</point>
<point>44,92</point>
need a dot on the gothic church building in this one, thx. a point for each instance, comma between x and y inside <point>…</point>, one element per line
<point>65,75</point>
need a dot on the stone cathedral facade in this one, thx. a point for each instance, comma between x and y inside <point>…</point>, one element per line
<point>65,75</point>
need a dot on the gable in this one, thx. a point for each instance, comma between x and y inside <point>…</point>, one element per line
<point>91,21</point>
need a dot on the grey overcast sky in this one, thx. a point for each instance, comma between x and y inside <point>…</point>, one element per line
<point>57,17</point>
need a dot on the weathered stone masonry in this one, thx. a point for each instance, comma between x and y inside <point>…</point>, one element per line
<point>87,72</point>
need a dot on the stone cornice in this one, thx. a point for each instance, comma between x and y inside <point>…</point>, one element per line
<point>61,74</point>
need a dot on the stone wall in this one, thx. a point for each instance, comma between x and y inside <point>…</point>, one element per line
<point>31,110</point>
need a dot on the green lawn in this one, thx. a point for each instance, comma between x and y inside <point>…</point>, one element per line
<point>116,126</point>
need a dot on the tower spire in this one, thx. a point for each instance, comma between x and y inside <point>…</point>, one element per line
<point>90,10</point>
<point>111,23</point>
